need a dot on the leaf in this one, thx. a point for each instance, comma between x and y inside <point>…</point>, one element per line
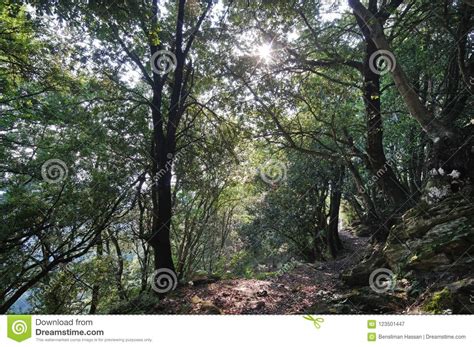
<point>196,299</point>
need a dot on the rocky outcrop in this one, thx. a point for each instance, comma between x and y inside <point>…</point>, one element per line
<point>431,250</point>
<point>433,239</point>
<point>456,297</point>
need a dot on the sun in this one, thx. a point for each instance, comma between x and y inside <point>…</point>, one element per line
<point>264,52</point>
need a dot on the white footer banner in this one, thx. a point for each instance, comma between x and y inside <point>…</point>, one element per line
<point>309,330</point>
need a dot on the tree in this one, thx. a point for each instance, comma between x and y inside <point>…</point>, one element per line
<point>136,32</point>
<point>447,138</point>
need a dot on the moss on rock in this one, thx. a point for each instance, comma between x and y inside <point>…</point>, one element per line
<point>439,302</point>
<point>432,239</point>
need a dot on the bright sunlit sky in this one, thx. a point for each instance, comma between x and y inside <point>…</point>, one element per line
<point>263,51</point>
<point>331,9</point>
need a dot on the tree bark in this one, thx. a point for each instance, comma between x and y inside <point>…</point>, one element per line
<point>164,142</point>
<point>96,287</point>
<point>372,215</point>
<point>436,130</point>
<point>333,240</point>
<point>378,166</point>
<point>451,149</point>
<point>118,274</point>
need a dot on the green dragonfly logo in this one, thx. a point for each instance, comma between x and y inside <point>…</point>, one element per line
<point>316,320</point>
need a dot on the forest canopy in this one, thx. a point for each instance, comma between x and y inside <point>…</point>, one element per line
<point>149,146</point>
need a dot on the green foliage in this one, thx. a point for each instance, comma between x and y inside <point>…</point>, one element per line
<point>143,304</point>
<point>439,302</point>
<point>267,81</point>
<point>291,217</point>
<point>241,264</point>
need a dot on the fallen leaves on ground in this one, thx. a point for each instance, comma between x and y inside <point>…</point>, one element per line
<point>294,292</point>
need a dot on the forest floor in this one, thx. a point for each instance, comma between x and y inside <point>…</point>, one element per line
<point>294,292</point>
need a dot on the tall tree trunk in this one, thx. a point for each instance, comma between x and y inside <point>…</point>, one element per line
<point>164,134</point>
<point>436,130</point>
<point>161,223</point>
<point>118,274</point>
<point>333,240</point>
<point>451,148</point>
<point>379,167</point>
<point>96,287</point>
<point>161,204</point>
<point>163,148</point>
<point>386,179</point>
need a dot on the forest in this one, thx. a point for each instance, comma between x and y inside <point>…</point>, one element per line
<point>236,156</point>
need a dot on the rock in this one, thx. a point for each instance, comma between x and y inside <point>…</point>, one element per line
<point>362,300</point>
<point>431,244</point>
<point>433,238</point>
<point>295,289</point>
<point>428,263</point>
<point>404,282</point>
<point>367,301</point>
<point>196,299</point>
<point>203,306</point>
<point>456,297</point>
<point>462,293</point>
<point>322,293</point>
<point>359,275</point>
